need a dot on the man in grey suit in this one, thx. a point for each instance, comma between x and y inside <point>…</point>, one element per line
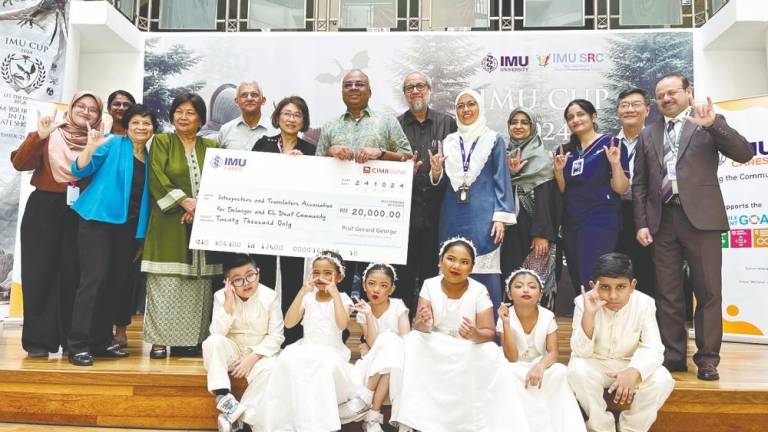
<point>679,212</point>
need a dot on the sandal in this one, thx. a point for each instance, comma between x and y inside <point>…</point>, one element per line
<point>158,352</point>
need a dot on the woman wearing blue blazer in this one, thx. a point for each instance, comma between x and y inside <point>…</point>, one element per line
<point>113,211</point>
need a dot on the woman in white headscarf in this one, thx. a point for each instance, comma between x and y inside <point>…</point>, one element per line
<point>478,201</point>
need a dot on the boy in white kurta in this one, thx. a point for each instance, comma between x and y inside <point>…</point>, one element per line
<point>616,345</point>
<point>246,334</point>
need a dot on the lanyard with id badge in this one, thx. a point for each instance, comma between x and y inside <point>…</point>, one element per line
<point>578,165</point>
<point>463,191</point>
<point>73,193</point>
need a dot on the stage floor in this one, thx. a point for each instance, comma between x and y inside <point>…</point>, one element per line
<point>170,393</point>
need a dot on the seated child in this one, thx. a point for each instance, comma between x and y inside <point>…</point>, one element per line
<point>246,333</point>
<point>529,340</point>
<point>383,320</point>
<point>616,345</point>
<point>313,376</point>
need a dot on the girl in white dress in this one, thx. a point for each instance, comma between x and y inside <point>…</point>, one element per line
<point>383,321</point>
<point>313,375</point>
<point>454,377</point>
<point>529,341</point>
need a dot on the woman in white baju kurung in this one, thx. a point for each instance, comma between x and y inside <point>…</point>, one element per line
<point>454,377</point>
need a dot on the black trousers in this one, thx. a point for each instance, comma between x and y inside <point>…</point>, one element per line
<point>106,257</point>
<point>422,264</point>
<point>291,278</point>
<point>642,261</point>
<point>49,270</point>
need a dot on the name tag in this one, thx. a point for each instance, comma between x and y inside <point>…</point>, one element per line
<point>73,193</point>
<point>577,168</point>
<point>462,195</point>
<point>672,175</point>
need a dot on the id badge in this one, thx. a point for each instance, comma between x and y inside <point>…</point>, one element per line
<point>578,167</point>
<point>672,175</point>
<point>73,192</point>
<point>462,195</point>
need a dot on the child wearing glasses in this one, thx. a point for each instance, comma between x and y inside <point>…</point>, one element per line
<point>246,334</point>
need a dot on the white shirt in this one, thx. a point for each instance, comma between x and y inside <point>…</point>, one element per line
<point>631,146</point>
<point>630,334</point>
<point>447,313</point>
<point>389,321</point>
<point>256,323</point>
<point>679,123</point>
<point>533,345</point>
<point>237,135</point>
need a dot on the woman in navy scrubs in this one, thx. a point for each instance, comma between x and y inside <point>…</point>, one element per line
<point>592,171</point>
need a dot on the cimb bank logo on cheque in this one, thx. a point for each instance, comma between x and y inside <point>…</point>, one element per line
<point>385,171</point>
<point>228,163</point>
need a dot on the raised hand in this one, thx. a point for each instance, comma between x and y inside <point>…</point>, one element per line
<point>504,313</point>
<point>436,163</point>
<point>592,301</point>
<point>561,159</point>
<point>416,162</point>
<point>229,297</point>
<point>613,153</point>
<point>46,124</point>
<point>363,307</point>
<point>96,137</point>
<point>515,164</point>
<point>702,114</point>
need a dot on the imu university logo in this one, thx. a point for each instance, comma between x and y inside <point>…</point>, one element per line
<point>489,63</point>
<point>23,72</point>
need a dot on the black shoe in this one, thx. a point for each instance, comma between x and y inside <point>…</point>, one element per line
<point>34,352</point>
<point>81,359</point>
<point>707,372</point>
<point>185,351</point>
<point>112,351</point>
<point>158,353</point>
<point>678,366</point>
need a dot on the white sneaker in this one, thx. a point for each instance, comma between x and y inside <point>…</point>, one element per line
<point>404,428</point>
<point>230,407</point>
<point>352,410</point>
<point>223,423</point>
<point>372,421</point>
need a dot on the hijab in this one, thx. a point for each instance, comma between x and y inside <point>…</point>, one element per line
<point>478,132</point>
<point>538,170</point>
<point>68,140</point>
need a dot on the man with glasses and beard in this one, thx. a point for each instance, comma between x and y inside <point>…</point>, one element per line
<point>425,129</point>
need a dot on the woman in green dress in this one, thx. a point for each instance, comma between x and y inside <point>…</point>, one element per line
<point>179,279</point>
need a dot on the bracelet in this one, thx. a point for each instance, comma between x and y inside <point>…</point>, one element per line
<point>381,156</point>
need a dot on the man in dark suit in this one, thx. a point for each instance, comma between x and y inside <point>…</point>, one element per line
<point>679,212</point>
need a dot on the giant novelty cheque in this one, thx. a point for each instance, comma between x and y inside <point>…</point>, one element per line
<point>266,203</point>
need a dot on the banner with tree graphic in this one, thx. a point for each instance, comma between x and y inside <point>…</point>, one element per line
<point>32,47</point>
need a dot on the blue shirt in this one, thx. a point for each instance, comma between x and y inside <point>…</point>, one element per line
<point>588,197</point>
<point>107,197</point>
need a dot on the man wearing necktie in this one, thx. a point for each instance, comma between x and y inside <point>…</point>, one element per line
<point>679,213</point>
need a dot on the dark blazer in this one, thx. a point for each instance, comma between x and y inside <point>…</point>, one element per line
<point>697,162</point>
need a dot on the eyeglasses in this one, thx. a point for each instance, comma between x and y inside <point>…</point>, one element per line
<point>669,93</point>
<point>246,95</point>
<point>469,105</point>
<point>348,85</point>
<point>519,123</point>
<point>420,87</point>
<point>250,277</point>
<point>84,107</point>
<point>291,115</point>
<point>633,105</point>
<point>118,104</point>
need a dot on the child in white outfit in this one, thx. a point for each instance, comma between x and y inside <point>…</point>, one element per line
<point>616,345</point>
<point>246,333</point>
<point>529,340</point>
